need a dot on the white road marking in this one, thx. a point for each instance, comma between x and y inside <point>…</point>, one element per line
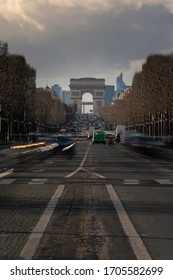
<point>80,166</point>
<point>34,239</point>
<point>37,181</point>
<point>39,170</point>
<point>7,181</point>
<point>73,173</point>
<point>48,147</point>
<point>98,175</point>
<point>136,242</point>
<point>3,174</point>
<point>164,181</point>
<point>131,182</point>
<point>68,147</point>
<point>84,159</point>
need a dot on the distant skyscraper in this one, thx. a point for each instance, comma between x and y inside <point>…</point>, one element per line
<point>121,86</point>
<point>57,91</point>
<point>120,83</point>
<point>109,94</point>
<point>66,97</point>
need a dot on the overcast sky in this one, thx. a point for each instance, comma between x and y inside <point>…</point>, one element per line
<point>65,39</point>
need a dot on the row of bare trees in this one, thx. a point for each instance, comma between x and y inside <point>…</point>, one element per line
<point>50,111</point>
<point>148,104</point>
<point>23,108</point>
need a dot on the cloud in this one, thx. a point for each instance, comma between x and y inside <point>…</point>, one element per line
<point>41,13</point>
<point>15,10</point>
<point>65,39</point>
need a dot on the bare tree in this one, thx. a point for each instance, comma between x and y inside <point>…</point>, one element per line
<point>50,111</point>
<point>149,103</point>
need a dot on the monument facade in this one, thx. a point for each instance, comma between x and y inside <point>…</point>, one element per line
<point>94,86</point>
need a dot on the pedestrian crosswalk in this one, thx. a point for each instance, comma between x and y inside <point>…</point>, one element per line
<point>125,182</point>
<point>131,182</point>
<point>38,181</point>
<point>7,181</point>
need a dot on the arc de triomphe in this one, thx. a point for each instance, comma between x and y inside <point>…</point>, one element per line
<point>91,85</point>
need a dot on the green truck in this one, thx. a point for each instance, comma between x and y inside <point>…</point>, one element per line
<point>99,137</point>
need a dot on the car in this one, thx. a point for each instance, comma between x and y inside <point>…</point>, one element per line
<point>142,141</point>
<point>32,138</point>
<point>99,137</point>
<point>109,135</point>
<point>65,143</point>
<point>168,141</point>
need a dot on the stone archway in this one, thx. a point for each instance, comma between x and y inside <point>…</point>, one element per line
<point>87,103</point>
<point>80,86</point>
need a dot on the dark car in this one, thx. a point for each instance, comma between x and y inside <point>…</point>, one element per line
<point>110,138</point>
<point>109,135</point>
<point>146,145</point>
<point>32,138</point>
<point>168,141</point>
<point>142,141</point>
<point>65,143</point>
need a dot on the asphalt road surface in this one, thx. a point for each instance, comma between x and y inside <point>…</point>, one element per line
<point>102,202</point>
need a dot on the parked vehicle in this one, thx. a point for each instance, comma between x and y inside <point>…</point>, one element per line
<point>99,137</point>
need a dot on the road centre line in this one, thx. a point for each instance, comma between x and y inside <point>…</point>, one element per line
<point>80,166</point>
<point>73,173</point>
<point>32,244</point>
<point>98,175</point>
<point>136,242</point>
<point>84,159</point>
